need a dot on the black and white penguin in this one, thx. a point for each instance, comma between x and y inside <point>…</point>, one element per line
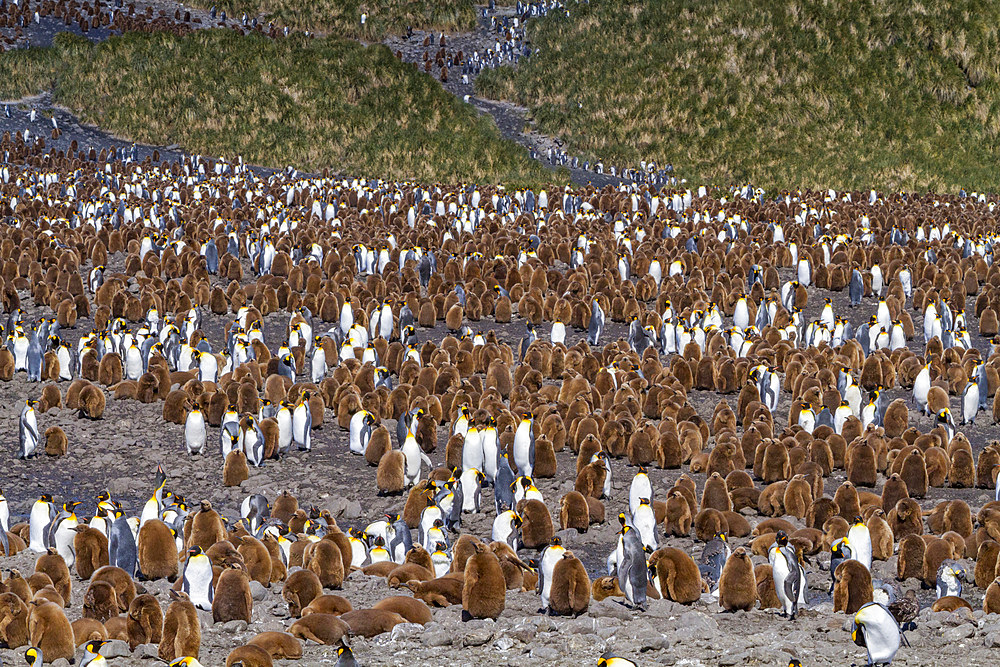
<point>524,445</point>
<point>632,570</point>
<point>302,423</point>
<point>788,579</point>
<point>121,544</point>
<point>43,511</point>
<point>197,580</point>
<point>596,326</point>
<point>28,430</point>
<point>877,631</point>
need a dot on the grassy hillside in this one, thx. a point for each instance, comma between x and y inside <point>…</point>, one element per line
<point>891,93</point>
<point>343,17</point>
<point>308,103</point>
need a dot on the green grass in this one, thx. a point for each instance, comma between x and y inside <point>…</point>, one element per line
<point>311,103</point>
<point>784,93</point>
<point>343,17</point>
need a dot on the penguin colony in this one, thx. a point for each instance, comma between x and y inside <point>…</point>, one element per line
<point>373,319</point>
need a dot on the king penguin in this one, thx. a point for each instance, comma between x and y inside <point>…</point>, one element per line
<point>360,431</point>
<point>302,423</point>
<point>786,573</point>
<point>42,514</point>
<point>551,555</point>
<point>197,580</point>
<point>970,402</point>
<point>861,543</point>
<point>632,570</point>
<point>121,544</point>
<point>596,323</point>
<point>524,446</point>
<point>878,632</point>
<point>28,429</point>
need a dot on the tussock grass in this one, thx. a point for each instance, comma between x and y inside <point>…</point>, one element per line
<point>789,93</point>
<point>311,103</point>
<point>343,17</point>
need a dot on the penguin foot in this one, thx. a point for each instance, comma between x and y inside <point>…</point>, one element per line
<point>466,616</point>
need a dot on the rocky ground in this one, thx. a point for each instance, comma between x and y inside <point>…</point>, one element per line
<point>121,452</point>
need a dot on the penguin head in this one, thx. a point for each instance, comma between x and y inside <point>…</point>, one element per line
<point>516,520</point>
<point>794,663</point>
<point>33,656</point>
<point>781,539</point>
<point>94,646</point>
<point>46,498</point>
<point>858,521</point>
<point>31,402</point>
<point>722,536</point>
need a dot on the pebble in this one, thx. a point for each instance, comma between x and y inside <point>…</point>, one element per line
<point>503,644</point>
<point>992,640</point>
<point>405,631</point>
<point>439,638</point>
<point>611,608</point>
<point>963,631</point>
<point>477,637</point>
<point>116,648</point>
<point>544,654</point>
<point>257,591</point>
<point>144,651</point>
<point>353,510</point>
<point>238,625</point>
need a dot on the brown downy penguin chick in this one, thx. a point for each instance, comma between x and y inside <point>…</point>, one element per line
<point>249,656</point>
<point>370,623</point>
<point>300,589</point>
<point>92,404</point>
<point>88,629</point>
<point>606,587</point>
<point>285,507</point>
<point>18,585</point>
<point>324,559</point>
<point>570,591</point>
<point>852,587</point>
<point>13,621</point>
<point>936,552</point>
<point>56,443</point>
<point>181,629</point>
<point>256,558</point>
<point>536,526</point>
<point>950,603</point>
<point>896,418</point>
<point>991,601</point>
<point>676,575</point>
<point>53,565</point>
<point>91,547</point>
<point>738,585</point>
<point>484,590</point>
<point>797,497</point>
<point>206,528</point>
<point>986,562</point>
<point>715,494</point>
<point>574,512</point>
<point>232,596</point>
<point>144,624</point>
<point>390,477</point>
<point>411,609</point>
<point>847,501</point>
<point>101,601</point>
<point>906,519</point>
<point>320,628</point>
<point>512,566</point>
<point>50,630</point>
<point>765,587</point>
<point>678,520</point>
<point>441,592</point>
<point>328,604</point>
<point>157,551</point>
<point>910,564</point>
<point>176,407</point>
<point>235,469</point>
<point>378,444</point>
<point>861,465</point>
<point>881,535</point>
<point>893,490</point>
<point>279,645</point>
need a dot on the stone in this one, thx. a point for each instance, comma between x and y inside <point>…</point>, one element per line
<point>957,633</point>
<point>477,637</point>
<point>504,644</point>
<point>352,510</point>
<point>257,591</point>
<point>116,648</point>
<point>664,609</point>
<point>992,640</point>
<point>609,607</point>
<point>439,638</point>
<point>405,631</point>
<point>146,651</point>
<point>545,654</point>
<point>239,625</point>
<point>696,625</point>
